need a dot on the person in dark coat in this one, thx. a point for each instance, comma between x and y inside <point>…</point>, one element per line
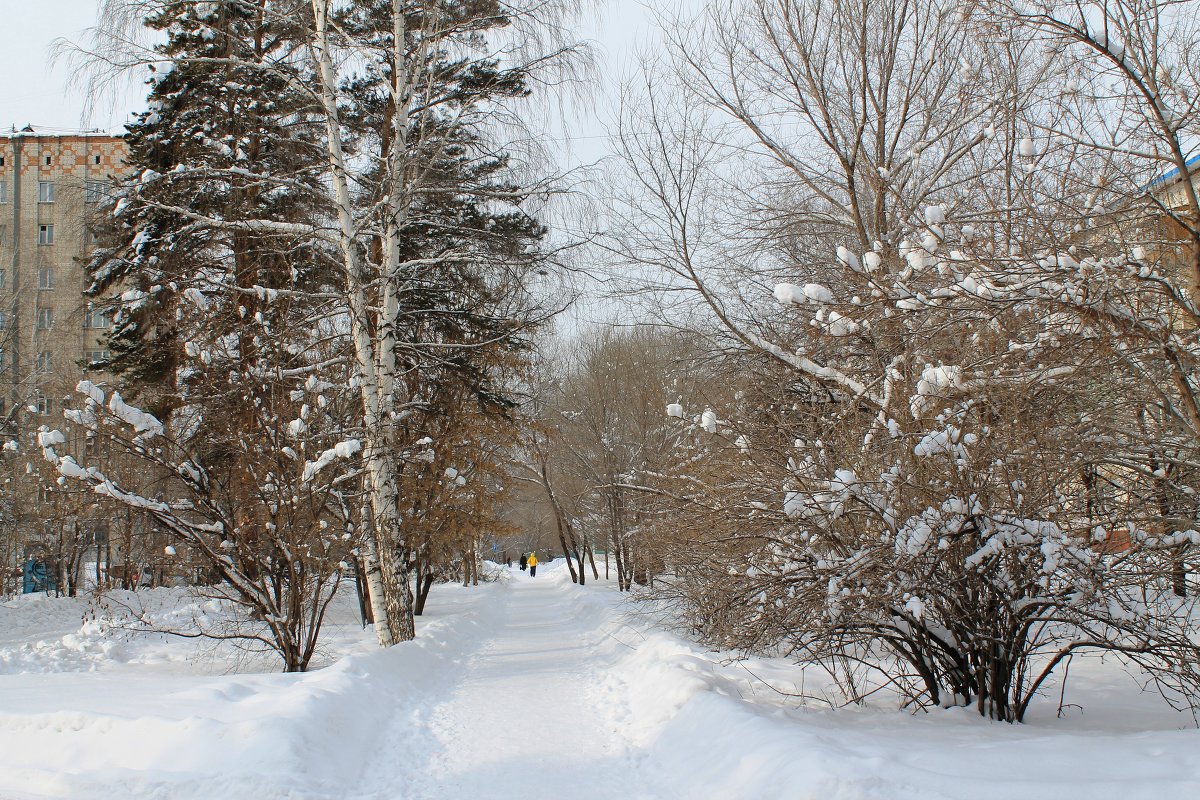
<point>524,561</point>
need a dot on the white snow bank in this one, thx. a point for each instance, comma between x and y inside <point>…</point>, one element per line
<point>137,731</point>
<point>657,717</point>
<point>711,727</point>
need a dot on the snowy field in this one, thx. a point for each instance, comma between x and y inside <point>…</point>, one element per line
<point>525,688</point>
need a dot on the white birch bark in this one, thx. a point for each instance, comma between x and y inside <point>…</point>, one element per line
<point>375,594</point>
<point>375,358</point>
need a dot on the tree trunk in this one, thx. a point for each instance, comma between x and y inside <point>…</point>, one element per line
<point>360,589</point>
<point>99,573</point>
<point>374,344</point>
<point>376,594</point>
<point>1179,572</point>
<point>560,522</point>
<point>1167,514</point>
<point>592,559</point>
<point>624,580</point>
<point>424,583</point>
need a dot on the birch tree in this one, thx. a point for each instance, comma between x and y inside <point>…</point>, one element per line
<point>410,210</point>
<point>421,114</point>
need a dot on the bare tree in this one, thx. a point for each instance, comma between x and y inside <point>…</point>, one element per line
<point>278,553</point>
<point>914,496</point>
<point>603,442</point>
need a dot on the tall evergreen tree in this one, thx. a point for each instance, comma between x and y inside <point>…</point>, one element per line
<point>224,146</point>
<point>332,170</point>
<point>214,275</point>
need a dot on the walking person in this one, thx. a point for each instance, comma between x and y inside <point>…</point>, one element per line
<point>524,561</point>
<point>533,564</point>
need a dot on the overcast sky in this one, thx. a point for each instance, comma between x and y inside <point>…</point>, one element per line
<point>33,92</point>
<point>38,94</point>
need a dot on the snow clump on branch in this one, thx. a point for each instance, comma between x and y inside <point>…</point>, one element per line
<point>145,424</point>
<point>788,293</point>
<point>934,381</point>
<point>344,449</point>
<point>836,324</point>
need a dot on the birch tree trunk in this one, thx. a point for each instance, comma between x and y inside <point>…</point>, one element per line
<point>375,358</point>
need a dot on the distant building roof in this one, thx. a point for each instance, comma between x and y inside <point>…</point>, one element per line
<point>1170,177</point>
<point>51,132</point>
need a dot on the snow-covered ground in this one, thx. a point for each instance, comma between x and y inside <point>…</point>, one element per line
<point>527,688</point>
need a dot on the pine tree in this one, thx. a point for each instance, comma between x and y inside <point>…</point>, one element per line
<point>215,274</point>
<point>223,146</point>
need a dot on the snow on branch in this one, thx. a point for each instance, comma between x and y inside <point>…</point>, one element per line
<point>145,424</point>
<point>824,374</point>
<point>344,449</point>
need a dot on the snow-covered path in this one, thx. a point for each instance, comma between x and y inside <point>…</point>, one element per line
<point>528,716</point>
<point>530,688</point>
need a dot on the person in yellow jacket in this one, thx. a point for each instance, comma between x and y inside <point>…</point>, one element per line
<point>532,564</point>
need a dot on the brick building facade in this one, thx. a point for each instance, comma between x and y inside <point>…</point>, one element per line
<point>50,186</point>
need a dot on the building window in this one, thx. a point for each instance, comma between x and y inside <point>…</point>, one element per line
<point>45,191</point>
<point>95,159</point>
<point>91,444</point>
<point>91,358</point>
<point>45,319</point>
<point>43,362</point>
<point>43,406</point>
<point>3,320</point>
<point>49,161</point>
<point>95,318</point>
<point>95,191</point>
<point>3,192</point>
<point>46,278</point>
<point>45,234</point>
<point>2,276</point>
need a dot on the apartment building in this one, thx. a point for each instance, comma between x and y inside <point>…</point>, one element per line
<point>1171,188</point>
<point>50,188</point>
